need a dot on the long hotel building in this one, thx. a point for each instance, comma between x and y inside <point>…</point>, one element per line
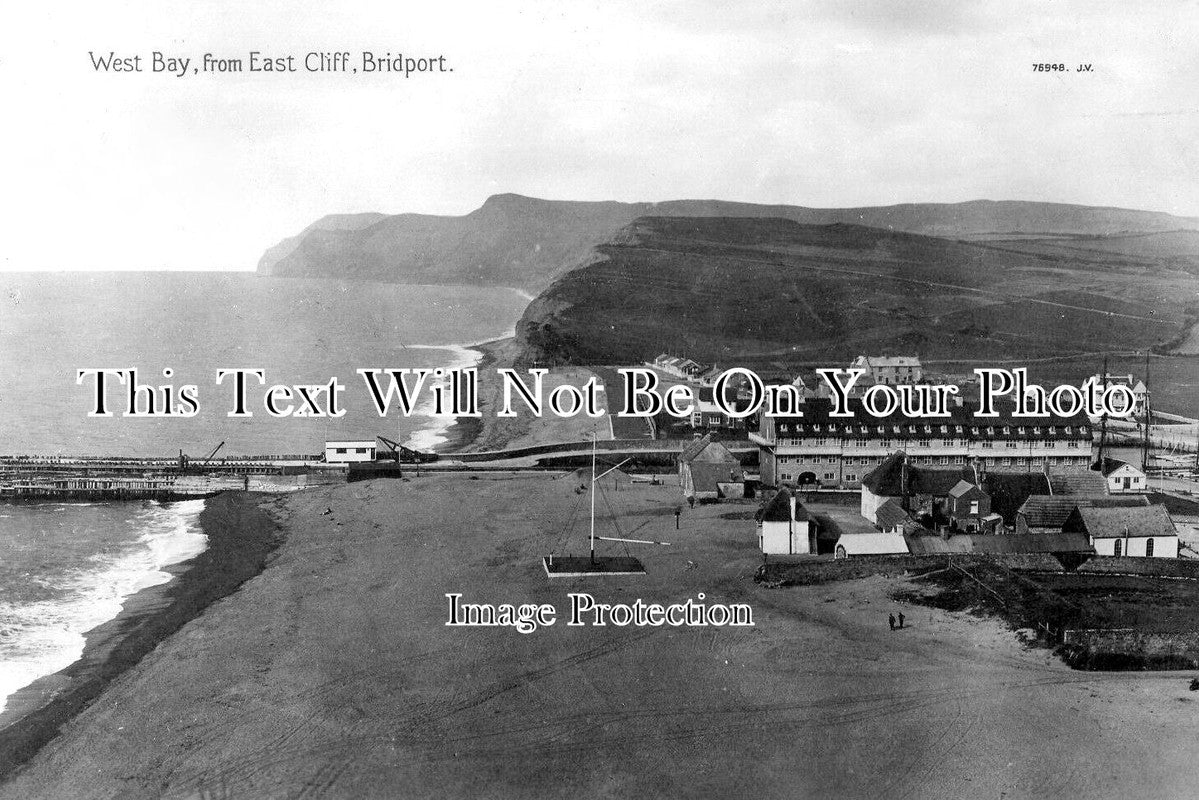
<point>836,452</point>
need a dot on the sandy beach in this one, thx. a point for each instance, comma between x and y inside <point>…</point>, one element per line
<point>332,674</point>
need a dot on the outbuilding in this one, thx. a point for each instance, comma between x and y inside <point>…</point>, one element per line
<point>1139,531</point>
<point>785,527</point>
<point>349,452</point>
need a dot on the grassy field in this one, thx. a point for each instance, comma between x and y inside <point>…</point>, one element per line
<point>772,291</point>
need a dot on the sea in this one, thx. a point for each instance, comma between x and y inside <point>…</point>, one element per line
<point>68,567</point>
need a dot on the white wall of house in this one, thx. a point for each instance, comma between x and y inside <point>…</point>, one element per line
<point>1127,480</point>
<point>870,505</point>
<point>786,538</point>
<point>349,452</point>
<point>1136,546</point>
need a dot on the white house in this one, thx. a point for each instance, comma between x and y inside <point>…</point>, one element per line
<point>1140,392</point>
<point>349,452</point>
<point>785,527</point>
<point>1140,531</point>
<point>1122,477</point>
<point>890,370</point>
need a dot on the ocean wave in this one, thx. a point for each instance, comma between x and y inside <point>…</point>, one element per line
<point>42,637</point>
<point>434,433</point>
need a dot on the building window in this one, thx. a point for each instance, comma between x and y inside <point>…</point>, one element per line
<point>832,459</point>
<point>1020,462</point>
<point>1072,444</point>
<point>341,450</point>
<point>1148,548</point>
<point>924,443</point>
<point>988,444</point>
<point>887,444</point>
<point>974,507</point>
<point>1118,550</point>
<point>944,460</point>
<point>959,459</point>
<point>1007,462</point>
<point>1011,445</point>
<point>828,476</point>
<point>849,476</point>
<point>947,442</point>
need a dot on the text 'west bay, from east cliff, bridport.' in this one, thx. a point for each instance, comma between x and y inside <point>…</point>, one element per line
<point>266,63</point>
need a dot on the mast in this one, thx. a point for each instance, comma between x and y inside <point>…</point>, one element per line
<point>592,496</point>
<point>1103,419</point>
<point>1148,418</point>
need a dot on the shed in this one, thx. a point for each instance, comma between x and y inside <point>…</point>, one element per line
<point>348,452</point>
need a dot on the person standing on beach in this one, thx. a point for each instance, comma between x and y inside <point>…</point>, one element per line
<point>901,619</point>
<point>891,621</point>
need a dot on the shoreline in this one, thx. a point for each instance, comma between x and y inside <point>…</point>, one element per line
<point>241,536</point>
<point>463,432</point>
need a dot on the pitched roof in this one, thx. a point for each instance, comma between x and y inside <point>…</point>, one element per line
<point>931,544</point>
<point>707,476</point>
<point>961,487</point>
<point>1110,465</point>
<point>1009,490</point>
<point>779,509</point>
<point>1046,511</point>
<point>1121,521</point>
<point>891,514</point>
<point>706,450</point>
<point>1079,483</point>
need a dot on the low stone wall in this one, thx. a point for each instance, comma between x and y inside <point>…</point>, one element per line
<point>1155,567</point>
<point>1130,649</point>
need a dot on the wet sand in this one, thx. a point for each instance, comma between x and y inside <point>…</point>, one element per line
<point>332,674</point>
<point>240,538</point>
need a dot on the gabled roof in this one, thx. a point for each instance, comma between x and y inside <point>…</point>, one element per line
<point>779,509</point>
<point>886,480</point>
<point>1118,522</point>
<point>891,514</point>
<point>707,476</point>
<point>961,488</point>
<point>706,450</point>
<point>1110,465</point>
<point>1079,483</point>
<point>1044,511</point>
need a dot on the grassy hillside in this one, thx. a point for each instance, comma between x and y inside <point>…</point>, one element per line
<point>525,242</point>
<point>776,291</point>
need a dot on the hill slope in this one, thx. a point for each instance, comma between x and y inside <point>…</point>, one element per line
<point>726,289</point>
<point>525,242</point>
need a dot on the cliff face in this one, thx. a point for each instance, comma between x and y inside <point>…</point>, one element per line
<point>773,291</point>
<point>527,243</point>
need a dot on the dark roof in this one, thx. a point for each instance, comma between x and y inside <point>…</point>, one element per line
<point>891,514</point>
<point>706,476</point>
<point>1079,483</point>
<point>1009,490</point>
<point>779,509</point>
<point>885,480</point>
<point>1110,465</point>
<point>930,544</point>
<point>817,419</point>
<point>1045,511</point>
<point>1113,523</point>
<point>693,449</point>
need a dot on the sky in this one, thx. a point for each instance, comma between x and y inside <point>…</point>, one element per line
<point>826,103</point>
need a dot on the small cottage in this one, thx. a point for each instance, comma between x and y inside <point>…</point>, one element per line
<point>785,527</point>
<point>708,471</point>
<point>1139,531</point>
